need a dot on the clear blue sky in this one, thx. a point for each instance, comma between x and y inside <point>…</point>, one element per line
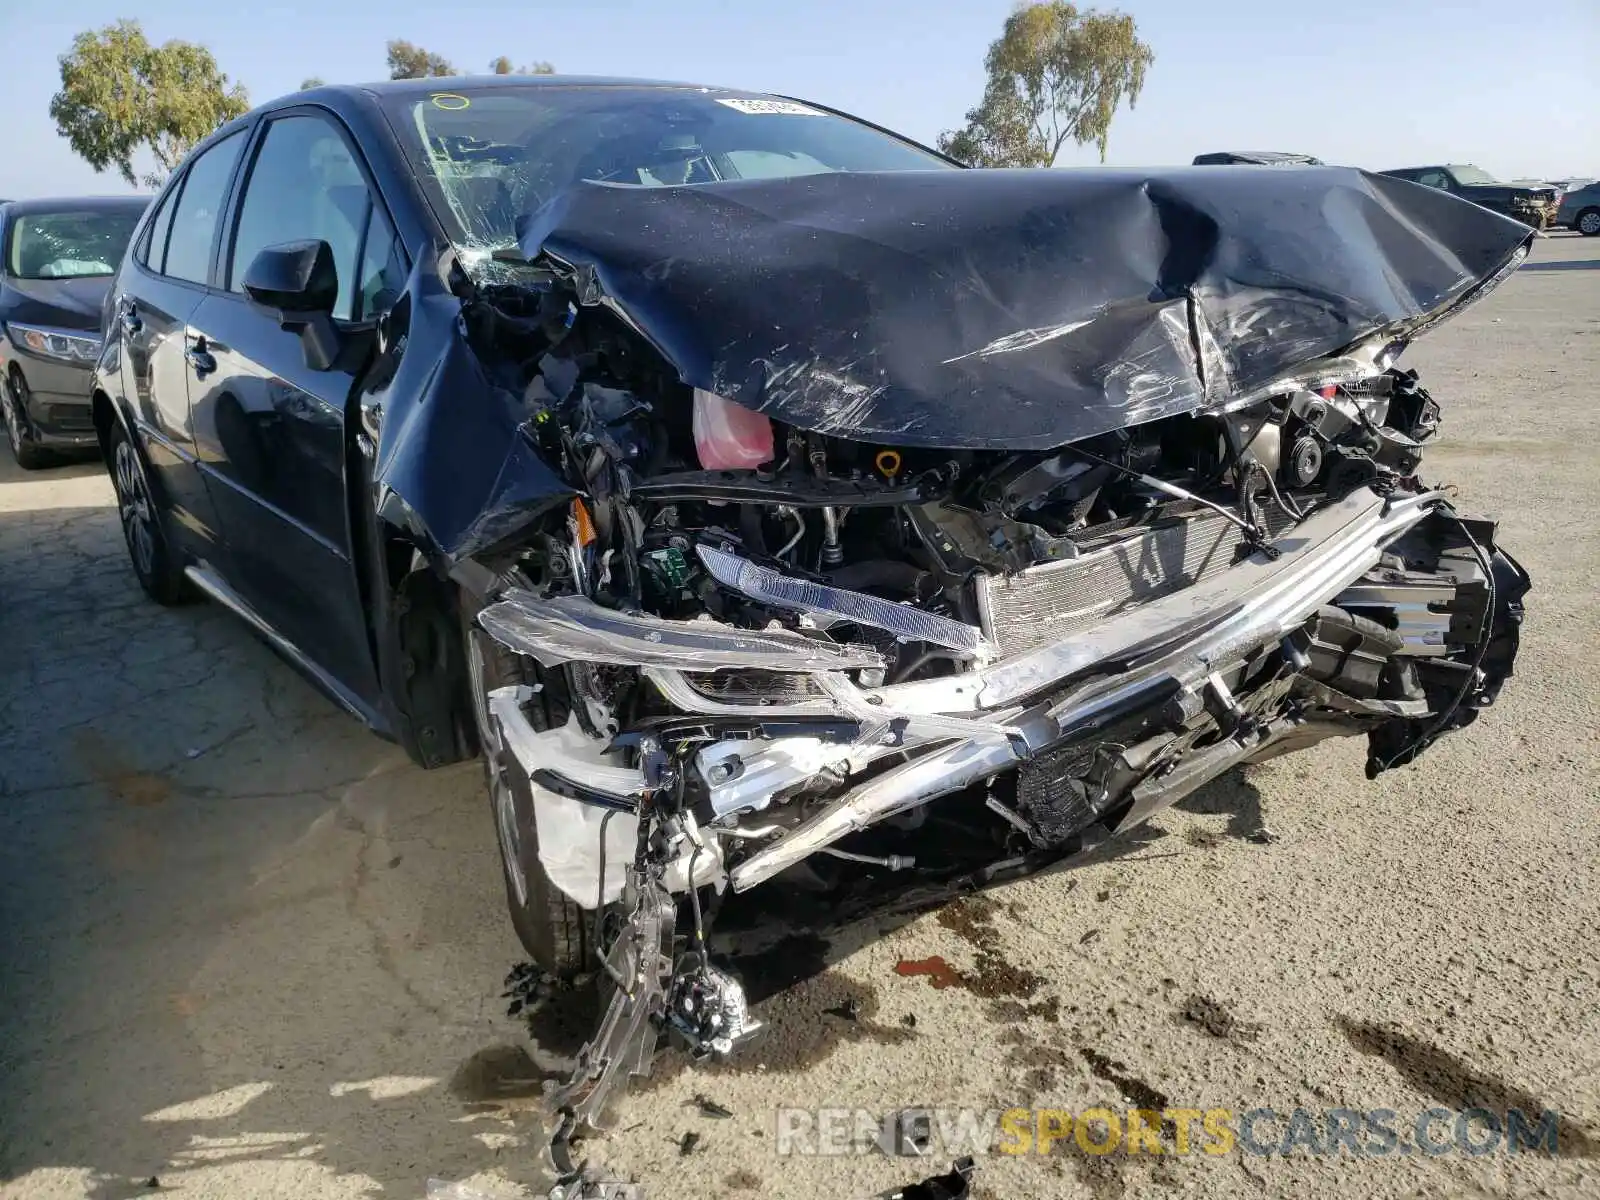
<point>1513,86</point>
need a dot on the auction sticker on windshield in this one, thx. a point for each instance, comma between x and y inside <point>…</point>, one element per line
<point>787,107</point>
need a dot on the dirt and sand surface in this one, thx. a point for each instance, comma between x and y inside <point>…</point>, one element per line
<point>247,951</point>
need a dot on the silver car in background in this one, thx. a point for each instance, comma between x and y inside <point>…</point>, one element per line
<point>1580,209</point>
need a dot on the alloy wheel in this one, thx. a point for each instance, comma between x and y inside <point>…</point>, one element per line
<point>9,403</point>
<point>133,506</point>
<point>1589,223</point>
<point>500,792</point>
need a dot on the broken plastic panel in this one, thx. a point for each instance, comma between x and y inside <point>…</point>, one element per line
<point>640,963</point>
<point>569,829</point>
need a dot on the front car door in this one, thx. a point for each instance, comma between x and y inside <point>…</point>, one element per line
<point>155,295</point>
<point>271,432</point>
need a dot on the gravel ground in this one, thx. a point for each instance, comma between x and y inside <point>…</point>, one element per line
<point>248,951</point>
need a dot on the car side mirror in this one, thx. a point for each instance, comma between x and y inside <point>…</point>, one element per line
<point>297,285</point>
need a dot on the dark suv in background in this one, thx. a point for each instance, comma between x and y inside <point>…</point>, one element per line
<point>1534,206</point>
<point>57,259</point>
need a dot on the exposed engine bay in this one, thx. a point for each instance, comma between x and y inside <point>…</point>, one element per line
<point>765,636</point>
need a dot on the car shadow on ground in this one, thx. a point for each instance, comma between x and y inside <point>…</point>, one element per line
<point>1562,264</point>
<point>247,948</point>
<point>785,936</point>
<point>77,466</point>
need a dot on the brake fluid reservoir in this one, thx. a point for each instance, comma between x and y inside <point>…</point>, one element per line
<point>728,437</point>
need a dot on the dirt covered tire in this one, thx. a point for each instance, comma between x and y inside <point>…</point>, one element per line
<point>555,930</point>
<point>1588,222</point>
<point>29,455</point>
<point>158,570</point>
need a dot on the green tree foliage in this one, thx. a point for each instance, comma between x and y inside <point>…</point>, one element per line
<point>413,62</point>
<point>504,66</point>
<point>120,94</point>
<point>311,81</point>
<point>1055,74</point>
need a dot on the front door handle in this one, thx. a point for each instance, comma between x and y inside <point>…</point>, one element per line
<point>129,315</point>
<point>200,358</point>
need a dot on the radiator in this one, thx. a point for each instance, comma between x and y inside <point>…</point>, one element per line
<point>1052,601</point>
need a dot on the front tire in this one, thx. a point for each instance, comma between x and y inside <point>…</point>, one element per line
<point>1588,222</point>
<point>556,931</point>
<point>13,397</point>
<point>149,552</point>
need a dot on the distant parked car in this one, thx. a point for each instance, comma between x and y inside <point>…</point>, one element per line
<point>1580,210</point>
<point>1255,158</point>
<point>1534,206</point>
<point>57,258</point>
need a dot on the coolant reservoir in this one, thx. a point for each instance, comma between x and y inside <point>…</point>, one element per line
<point>728,437</point>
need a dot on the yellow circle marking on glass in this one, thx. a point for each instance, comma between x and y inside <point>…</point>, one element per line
<point>450,101</point>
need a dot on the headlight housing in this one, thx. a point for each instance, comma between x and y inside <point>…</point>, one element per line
<point>64,345</point>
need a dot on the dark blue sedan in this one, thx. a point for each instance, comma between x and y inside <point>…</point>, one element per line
<point>57,258</point>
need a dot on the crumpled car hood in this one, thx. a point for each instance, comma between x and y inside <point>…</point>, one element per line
<point>1016,309</point>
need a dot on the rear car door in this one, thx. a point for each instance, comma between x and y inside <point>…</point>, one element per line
<point>155,295</point>
<point>271,432</point>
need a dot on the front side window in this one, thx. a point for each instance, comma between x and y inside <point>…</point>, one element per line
<point>1434,179</point>
<point>383,272</point>
<point>304,186</point>
<point>68,245</point>
<point>194,220</point>
<point>496,153</point>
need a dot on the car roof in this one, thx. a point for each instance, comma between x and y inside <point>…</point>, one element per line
<point>1258,156</point>
<point>78,204</point>
<point>443,83</point>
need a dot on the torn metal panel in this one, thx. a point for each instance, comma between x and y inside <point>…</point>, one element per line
<point>575,629</point>
<point>1017,309</point>
<point>450,463</point>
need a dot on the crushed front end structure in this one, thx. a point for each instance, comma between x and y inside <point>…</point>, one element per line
<point>1042,497</point>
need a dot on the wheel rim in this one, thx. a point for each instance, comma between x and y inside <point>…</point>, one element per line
<point>1589,223</point>
<point>133,506</point>
<point>500,793</point>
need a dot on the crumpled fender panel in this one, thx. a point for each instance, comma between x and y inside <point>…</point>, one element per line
<point>1016,309</point>
<point>452,464</point>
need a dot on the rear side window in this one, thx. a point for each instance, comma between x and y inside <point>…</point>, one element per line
<point>194,219</point>
<point>153,252</point>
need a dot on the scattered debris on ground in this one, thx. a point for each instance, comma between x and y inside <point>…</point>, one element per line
<point>709,1107</point>
<point>1214,1018</point>
<point>956,1184</point>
